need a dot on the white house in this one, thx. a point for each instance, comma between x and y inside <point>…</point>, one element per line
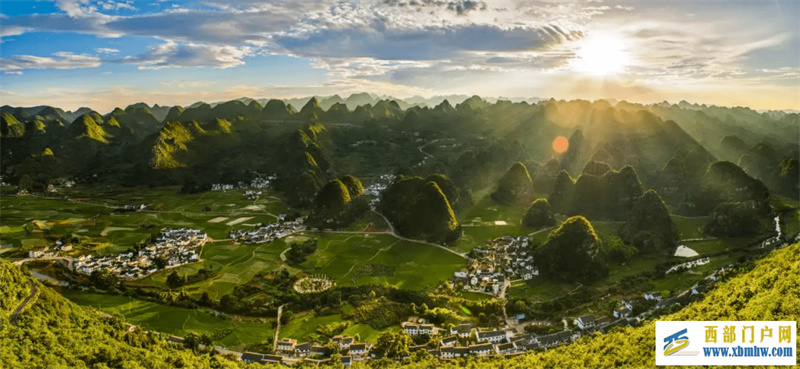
<point>481,349</point>
<point>493,336</point>
<point>287,345</point>
<point>653,295</point>
<point>461,330</point>
<point>585,322</point>
<point>622,312</point>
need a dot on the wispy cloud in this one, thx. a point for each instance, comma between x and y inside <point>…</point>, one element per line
<point>106,50</point>
<point>59,60</point>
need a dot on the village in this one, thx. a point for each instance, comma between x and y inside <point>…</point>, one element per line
<point>453,342</point>
<point>465,340</point>
<point>168,249</point>
<point>492,266</point>
<point>265,233</point>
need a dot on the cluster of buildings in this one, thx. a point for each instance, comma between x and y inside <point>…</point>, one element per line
<point>375,189</point>
<point>688,265</point>
<point>132,207</point>
<point>485,342</point>
<point>288,351</point>
<point>502,259</point>
<point>268,232</point>
<point>252,195</point>
<point>263,182</point>
<point>258,183</point>
<point>175,246</point>
<point>221,187</point>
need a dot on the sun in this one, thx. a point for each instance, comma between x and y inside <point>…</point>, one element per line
<point>560,144</point>
<point>601,54</point>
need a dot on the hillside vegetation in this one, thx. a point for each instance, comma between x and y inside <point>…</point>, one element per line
<point>54,332</point>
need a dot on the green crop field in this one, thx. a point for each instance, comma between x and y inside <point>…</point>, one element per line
<point>478,222</point>
<point>233,264</point>
<point>174,320</point>
<point>540,289</point>
<point>92,215</point>
<point>343,257</point>
<point>305,324</point>
<point>689,227</point>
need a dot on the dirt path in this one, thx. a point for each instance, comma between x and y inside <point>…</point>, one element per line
<point>15,315</point>
<point>277,329</point>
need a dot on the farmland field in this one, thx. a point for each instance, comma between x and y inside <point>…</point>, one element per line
<point>358,259</point>
<point>174,320</point>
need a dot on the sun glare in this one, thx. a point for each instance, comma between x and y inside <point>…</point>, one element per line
<point>601,55</point>
<point>560,144</point>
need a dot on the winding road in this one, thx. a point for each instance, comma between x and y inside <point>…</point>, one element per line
<point>15,314</point>
<point>70,261</point>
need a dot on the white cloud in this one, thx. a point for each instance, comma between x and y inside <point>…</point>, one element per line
<point>60,60</point>
<point>172,54</point>
<point>106,50</point>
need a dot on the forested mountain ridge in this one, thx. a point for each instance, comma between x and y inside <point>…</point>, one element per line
<point>54,332</point>
<point>612,154</point>
<point>495,135</point>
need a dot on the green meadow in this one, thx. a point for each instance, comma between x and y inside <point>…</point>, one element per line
<point>347,258</point>
<point>94,219</point>
<point>176,321</point>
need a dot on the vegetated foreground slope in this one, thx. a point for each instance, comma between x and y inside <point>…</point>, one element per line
<point>54,332</point>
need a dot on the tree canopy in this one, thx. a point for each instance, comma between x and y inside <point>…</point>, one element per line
<point>572,252</point>
<point>649,226</point>
<point>515,187</point>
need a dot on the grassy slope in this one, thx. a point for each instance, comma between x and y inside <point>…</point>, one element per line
<point>55,333</point>
<point>174,320</point>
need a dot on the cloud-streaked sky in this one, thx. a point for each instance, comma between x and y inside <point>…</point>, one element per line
<point>107,53</point>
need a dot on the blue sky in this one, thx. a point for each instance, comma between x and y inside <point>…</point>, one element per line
<point>107,53</point>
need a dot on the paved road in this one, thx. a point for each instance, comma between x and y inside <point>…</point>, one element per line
<point>15,315</point>
<point>393,233</point>
<point>70,261</point>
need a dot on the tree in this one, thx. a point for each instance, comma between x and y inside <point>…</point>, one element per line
<point>595,168</point>
<point>419,209</point>
<point>205,299</point>
<point>561,196</point>
<point>733,219</point>
<point>539,214</point>
<point>160,262</point>
<point>589,197</point>
<point>649,226</point>
<point>191,341</point>
<point>205,340</point>
<point>175,280</point>
<point>515,187</point>
<point>618,251</point>
<point>286,316</point>
<point>623,188</point>
<point>729,183</point>
<point>572,252</point>
<point>103,279</point>
<point>229,303</point>
<point>393,345</point>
